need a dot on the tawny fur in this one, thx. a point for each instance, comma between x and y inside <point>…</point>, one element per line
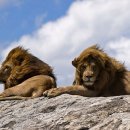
<point>30,88</point>
<point>113,78</point>
<point>20,65</point>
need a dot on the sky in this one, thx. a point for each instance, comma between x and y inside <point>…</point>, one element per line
<point>56,31</point>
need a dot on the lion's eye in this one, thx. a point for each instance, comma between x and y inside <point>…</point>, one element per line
<point>83,67</point>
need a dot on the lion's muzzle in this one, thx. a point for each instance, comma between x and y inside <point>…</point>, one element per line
<point>88,79</point>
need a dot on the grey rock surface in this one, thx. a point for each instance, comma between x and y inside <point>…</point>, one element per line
<point>66,112</point>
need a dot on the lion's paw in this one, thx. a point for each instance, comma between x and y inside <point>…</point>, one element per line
<point>51,93</point>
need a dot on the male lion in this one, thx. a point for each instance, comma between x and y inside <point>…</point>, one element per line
<point>97,74</point>
<point>20,68</point>
<point>20,65</point>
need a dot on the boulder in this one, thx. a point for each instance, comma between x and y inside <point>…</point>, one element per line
<point>66,112</point>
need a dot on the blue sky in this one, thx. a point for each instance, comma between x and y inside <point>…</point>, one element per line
<point>57,31</point>
<point>22,17</point>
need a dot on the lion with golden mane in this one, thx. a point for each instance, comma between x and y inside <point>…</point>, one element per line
<point>25,75</point>
<point>97,74</point>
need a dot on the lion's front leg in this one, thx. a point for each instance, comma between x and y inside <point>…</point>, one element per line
<point>73,90</point>
<point>53,92</point>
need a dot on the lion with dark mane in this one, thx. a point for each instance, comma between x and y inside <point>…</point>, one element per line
<point>24,74</point>
<point>97,74</point>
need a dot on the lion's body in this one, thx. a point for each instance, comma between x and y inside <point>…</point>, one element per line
<point>98,73</point>
<point>23,65</point>
<point>30,88</point>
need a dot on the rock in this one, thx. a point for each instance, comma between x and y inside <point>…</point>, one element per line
<point>66,112</point>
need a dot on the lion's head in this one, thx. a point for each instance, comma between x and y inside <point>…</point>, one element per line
<point>5,71</point>
<point>89,71</point>
<point>20,65</point>
<point>95,69</point>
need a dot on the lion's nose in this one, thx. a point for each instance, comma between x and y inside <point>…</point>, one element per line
<point>89,77</point>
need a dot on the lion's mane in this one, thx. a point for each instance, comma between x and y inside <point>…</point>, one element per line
<point>23,66</point>
<point>112,75</point>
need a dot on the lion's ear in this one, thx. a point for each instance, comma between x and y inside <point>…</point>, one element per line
<point>75,62</point>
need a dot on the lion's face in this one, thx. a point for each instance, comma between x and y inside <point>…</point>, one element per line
<point>89,71</point>
<point>5,71</point>
<point>8,65</point>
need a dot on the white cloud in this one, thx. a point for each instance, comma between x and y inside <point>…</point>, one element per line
<point>86,22</point>
<point>121,50</point>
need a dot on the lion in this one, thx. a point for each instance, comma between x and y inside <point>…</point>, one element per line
<point>97,74</point>
<point>20,65</point>
<point>24,74</point>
